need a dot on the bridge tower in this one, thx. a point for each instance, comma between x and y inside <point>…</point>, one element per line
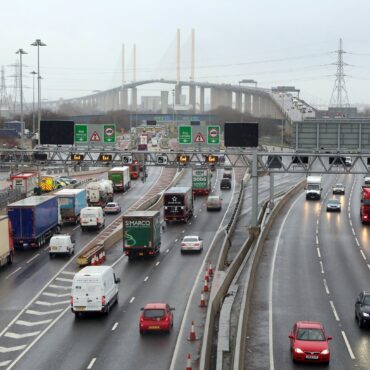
<point>339,96</point>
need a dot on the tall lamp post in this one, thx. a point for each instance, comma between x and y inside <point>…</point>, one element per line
<point>21,52</point>
<point>33,73</point>
<point>38,43</point>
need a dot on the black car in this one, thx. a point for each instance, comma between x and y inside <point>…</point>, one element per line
<point>362,309</point>
<point>225,183</point>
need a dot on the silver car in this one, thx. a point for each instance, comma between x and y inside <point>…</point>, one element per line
<point>333,205</point>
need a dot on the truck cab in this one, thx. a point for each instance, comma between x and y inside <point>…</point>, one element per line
<point>313,188</point>
<point>365,204</point>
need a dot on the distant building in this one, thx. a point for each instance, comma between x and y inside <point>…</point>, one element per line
<point>150,103</point>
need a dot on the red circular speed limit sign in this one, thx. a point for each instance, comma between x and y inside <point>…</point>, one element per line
<point>109,131</point>
<point>213,132</point>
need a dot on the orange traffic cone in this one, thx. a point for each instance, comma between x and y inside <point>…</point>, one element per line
<point>103,255</point>
<point>202,302</point>
<point>93,261</point>
<point>206,277</point>
<point>210,270</point>
<point>188,362</point>
<point>192,335</point>
<point>205,287</point>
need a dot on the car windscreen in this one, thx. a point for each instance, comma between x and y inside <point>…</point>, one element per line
<point>91,215</point>
<point>190,240</point>
<point>153,313</point>
<point>367,300</point>
<point>313,186</point>
<point>310,334</point>
<point>110,205</point>
<point>366,202</point>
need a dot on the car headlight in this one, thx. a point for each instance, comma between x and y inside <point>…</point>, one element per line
<point>325,352</point>
<point>365,314</point>
<point>298,350</point>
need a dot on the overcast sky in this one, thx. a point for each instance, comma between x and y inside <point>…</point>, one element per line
<point>286,42</point>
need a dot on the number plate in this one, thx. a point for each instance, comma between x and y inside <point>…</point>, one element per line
<point>141,254</point>
<point>310,357</point>
<point>154,327</point>
<point>79,308</point>
<point>54,248</point>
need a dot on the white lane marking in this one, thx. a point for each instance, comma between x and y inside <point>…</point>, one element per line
<point>64,279</point>
<point>334,311</point>
<point>132,299</point>
<point>167,251</point>
<point>59,287</point>
<point>351,354</point>
<point>318,252</point>
<point>363,254</point>
<point>12,349</point>
<point>326,286</point>
<point>322,267</point>
<point>20,336</point>
<point>357,242</point>
<point>196,282</point>
<point>5,363</point>
<point>317,240</point>
<point>368,266</point>
<point>35,323</point>
<point>69,273</point>
<point>13,273</point>
<point>195,216</point>
<point>189,223</point>
<point>317,222</point>
<point>42,303</point>
<point>119,260</point>
<point>56,295</point>
<point>91,364</point>
<point>115,326</point>
<point>157,263</point>
<point>350,221</point>
<point>42,313</point>
<point>276,245</point>
<point>176,240</point>
<point>183,231</point>
<point>146,278</point>
<point>353,231</point>
<point>34,257</point>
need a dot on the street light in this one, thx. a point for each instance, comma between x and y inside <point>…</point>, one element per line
<point>33,73</point>
<point>38,43</point>
<point>21,52</point>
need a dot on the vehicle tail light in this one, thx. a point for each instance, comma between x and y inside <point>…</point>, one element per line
<point>183,244</point>
<point>141,319</point>
<point>71,300</point>
<point>196,244</point>
<point>97,220</point>
<point>103,300</point>
<point>166,318</point>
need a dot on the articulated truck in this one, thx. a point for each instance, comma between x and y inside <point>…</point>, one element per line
<point>71,201</point>
<point>365,204</point>
<point>6,242</point>
<point>141,234</point>
<point>120,177</point>
<point>201,180</point>
<point>99,193</point>
<point>34,220</point>
<point>178,204</point>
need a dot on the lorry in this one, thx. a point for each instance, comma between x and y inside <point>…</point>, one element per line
<point>313,187</point>
<point>24,181</point>
<point>71,201</point>
<point>201,180</point>
<point>120,177</point>
<point>34,220</point>
<point>99,193</point>
<point>134,170</point>
<point>365,204</point>
<point>141,234</point>
<point>6,242</point>
<point>178,204</point>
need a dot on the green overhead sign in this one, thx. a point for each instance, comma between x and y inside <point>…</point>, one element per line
<point>80,133</point>
<point>185,135</point>
<point>109,133</point>
<point>213,135</point>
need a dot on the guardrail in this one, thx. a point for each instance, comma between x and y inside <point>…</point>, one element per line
<point>253,259</point>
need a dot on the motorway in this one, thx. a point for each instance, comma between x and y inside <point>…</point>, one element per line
<point>313,266</point>
<point>111,342</point>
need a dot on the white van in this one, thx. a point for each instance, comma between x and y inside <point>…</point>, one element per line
<point>92,218</point>
<point>61,244</point>
<point>94,289</point>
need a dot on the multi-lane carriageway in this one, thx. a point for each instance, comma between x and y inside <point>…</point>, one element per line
<point>38,331</point>
<point>313,266</point>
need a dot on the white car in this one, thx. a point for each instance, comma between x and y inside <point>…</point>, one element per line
<point>191,243</point>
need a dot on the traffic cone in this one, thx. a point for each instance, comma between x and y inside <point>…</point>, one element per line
<point>192,336</point>
<point>188,362</point>
<point>202,302</point>
<point>93,261</point>
<point>205,287</point>
<point>210,270</point>
<point>103,255</point>
<point>100,257</point>
<point>206,277</point>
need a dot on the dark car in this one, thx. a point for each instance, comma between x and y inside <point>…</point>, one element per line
<point>333,205</point>
<point>362,309</point>
<point>225,183</point>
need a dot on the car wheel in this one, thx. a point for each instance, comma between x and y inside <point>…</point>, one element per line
<point>77,315</point>
<point>107,309</point>
<point>142,332</point>
<point>10,258</point>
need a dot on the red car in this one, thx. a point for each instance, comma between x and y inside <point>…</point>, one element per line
<point>309,342</point>
<point>156,317</point>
